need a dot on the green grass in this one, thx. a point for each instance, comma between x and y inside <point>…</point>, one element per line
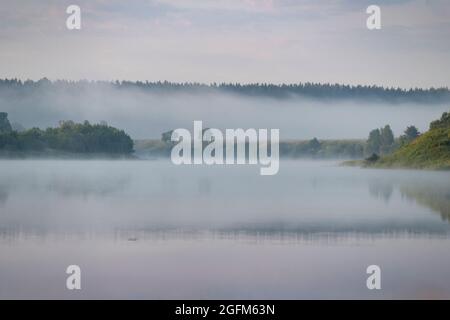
<point>431,150</point>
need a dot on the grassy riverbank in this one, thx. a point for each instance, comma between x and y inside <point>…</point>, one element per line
<point>430,150</point>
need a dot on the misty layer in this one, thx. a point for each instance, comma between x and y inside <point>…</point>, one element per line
<point>145,110</point>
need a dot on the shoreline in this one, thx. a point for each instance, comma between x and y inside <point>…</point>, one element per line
<point>364,164</point>
<point>57,155</point>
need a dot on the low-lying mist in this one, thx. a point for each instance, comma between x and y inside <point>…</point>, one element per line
<point>146,114</point>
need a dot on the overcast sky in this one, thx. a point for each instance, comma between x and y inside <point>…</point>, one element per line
<point>207,41</point>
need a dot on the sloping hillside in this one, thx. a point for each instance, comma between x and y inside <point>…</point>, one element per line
<point>431,150</point>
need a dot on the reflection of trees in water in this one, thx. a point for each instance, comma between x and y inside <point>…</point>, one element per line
<point>64,186</point>
<point>381,189</point>
<point>3,195</point>
<point>84,186</point>
<point>6,186</point>
<point>435,198</point>
<point>426,188</point>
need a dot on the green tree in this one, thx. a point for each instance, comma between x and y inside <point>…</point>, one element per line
<point>411,132</point>
<point>409,135</point>
<point>166,137</point>
<point>387,140</point>
<point>373,144</point>
<point>5,126</point>
<point>70,137</point>
<point>444,122</point>
<point>32,139</point>
<point>314,146</point>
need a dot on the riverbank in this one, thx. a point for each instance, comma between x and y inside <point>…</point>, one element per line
<point>62,155</point>
<point>430,151</point>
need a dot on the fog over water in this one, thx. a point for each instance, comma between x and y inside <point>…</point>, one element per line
<point>141,227</point>
<point>149,229</point>
<point>68,196</point>
<point>148,114</point>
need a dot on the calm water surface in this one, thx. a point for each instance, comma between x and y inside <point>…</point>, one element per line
<point>152,230</point>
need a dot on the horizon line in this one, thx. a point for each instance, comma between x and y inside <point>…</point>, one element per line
<point>215,84</point>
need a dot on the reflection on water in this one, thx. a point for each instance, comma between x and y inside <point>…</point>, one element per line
<point>382,189</point>
<point>96,196</point>
<point>138,214</point>
<point>434,197</point>
<point>431,190</point>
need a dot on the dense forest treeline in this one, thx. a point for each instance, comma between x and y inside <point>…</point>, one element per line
<point>86,138</point>
<point>308,90</point>
<point>71,137</point>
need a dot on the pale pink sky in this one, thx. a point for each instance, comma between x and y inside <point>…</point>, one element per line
<point>229,41</point>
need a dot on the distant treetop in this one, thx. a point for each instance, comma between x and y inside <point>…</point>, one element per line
<point>278,91</point>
